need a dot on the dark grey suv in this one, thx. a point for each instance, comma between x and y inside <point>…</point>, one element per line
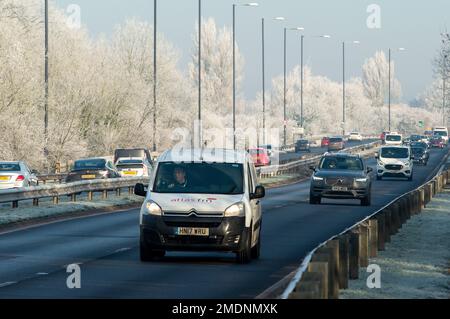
<point>341,176</point>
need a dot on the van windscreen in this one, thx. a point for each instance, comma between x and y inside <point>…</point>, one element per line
<point>394,152</point>
<point>199,178</point>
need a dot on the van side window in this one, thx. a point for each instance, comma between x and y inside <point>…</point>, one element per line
<point>251,187</point>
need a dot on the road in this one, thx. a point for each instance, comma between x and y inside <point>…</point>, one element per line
<point>32,261</point>
<point>291,156</point>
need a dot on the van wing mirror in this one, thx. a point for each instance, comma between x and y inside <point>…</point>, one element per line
<point>377,155</point>
<point>312,167</point>
<point>369,169</point>
<point>260,192</point>
<point>139,190</point>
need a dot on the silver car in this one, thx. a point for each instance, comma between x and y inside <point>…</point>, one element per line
<point>16,175</point>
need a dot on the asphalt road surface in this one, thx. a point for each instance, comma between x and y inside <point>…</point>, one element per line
<point>33,261</point>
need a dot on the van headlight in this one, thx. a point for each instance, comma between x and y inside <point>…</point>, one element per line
<point>317,179</point>
<point>407,164</point>
<point>152,208</point>
<point>361,180</point>
<point>236,210</point>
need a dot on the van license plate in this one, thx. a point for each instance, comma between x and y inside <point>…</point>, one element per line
<point>339,189</point>
<point>188,231</point>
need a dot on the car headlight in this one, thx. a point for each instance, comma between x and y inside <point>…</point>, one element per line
<point>152,208</point>
<point>236,210</point>
<point>361,180</point>
<point>380,163</point>
<point>317,179</point>
<point>407,164</point>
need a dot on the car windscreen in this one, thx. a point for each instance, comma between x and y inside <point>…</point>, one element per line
<point>393,138</point>
<point>346,163</point>
<point>394,152</point>
<point>419,145</point>
<point>89,164</point>
<point>302,142</point>
<point>440,133</point>
<point>417,150</point>
<point>415,138</point>
<point>335,140</point>
<point>199,178</point>
<point>9,167</point>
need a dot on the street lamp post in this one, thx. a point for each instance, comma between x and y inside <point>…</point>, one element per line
<point>252,4</point>
<point>154,71</point>
<point>46,75</point>
<point>285,83</point>
<point>200,72</point>
<point>264,73</point>
<point>390,84</point>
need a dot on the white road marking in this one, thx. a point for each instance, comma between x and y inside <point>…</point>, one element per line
<point>6,284</point>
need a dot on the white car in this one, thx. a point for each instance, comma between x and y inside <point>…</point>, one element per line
<point>202,200</point>
<point>133,167</point>
<point>442,132</point>
<point>16,175</point>
<point>394,161</point>
<point>355,136</point>
<point>393,139</point>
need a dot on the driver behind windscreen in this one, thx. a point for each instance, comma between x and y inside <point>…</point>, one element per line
<point>180,178</point>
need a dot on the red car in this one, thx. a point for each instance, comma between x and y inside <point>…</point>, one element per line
<point>325,142</point>
<point>260,156</point>
<point>437,142</point>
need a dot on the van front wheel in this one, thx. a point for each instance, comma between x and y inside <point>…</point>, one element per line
<point>244,255</point>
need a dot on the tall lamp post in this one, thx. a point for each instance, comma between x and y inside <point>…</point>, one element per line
<point>264,73</point>
<point>285,81</point>
<point>154,71</point>
<point>343,85</point>
<point>390,84</point>
<point>46,71</point>
<point>251,4</point>
<point>200,72</point>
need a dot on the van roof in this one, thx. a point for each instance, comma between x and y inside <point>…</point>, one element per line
<point>208,155</point>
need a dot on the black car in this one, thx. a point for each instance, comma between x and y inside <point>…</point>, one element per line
<point>341,176</point>
<point>302,145</point>
<point>420,155</point>
<point>92,168</point>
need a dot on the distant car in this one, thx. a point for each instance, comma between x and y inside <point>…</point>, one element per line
<point>92,168</point>
<point>341,176</point>
<point>383,136</point>
<point>393,139</point>
<point>420,155</point>
<point>325,142</point>
<point>420,144</point>
<point>437,142</point>
<point>260,156</point>
<point>336,144</point>
<point>133,167</point>
<point>416,138</point>
<point>16,175</point>
<point>442,132</point>
<point>142,153</point>
<point>355,136</point>
<point>268,148</point>
<point>302,145</point>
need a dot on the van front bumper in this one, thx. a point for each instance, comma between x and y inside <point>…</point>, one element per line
<point>225,233</point>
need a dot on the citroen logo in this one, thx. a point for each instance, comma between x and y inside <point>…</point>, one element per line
<point>341,181</point>
<point>193,212</point>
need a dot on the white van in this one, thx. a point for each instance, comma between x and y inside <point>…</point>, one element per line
<point>393,139</point>
<point>443,132</point>
<point>394,161</point>
<point>202,200</point>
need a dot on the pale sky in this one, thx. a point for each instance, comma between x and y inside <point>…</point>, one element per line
<point>412,24</point>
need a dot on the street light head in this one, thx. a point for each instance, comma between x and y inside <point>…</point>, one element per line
<point>401,49</point>
<point>279,18</point>
<point>297,29</point>
<point>251,4</point>
<point>356,42</point>
<point>326,36</point>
